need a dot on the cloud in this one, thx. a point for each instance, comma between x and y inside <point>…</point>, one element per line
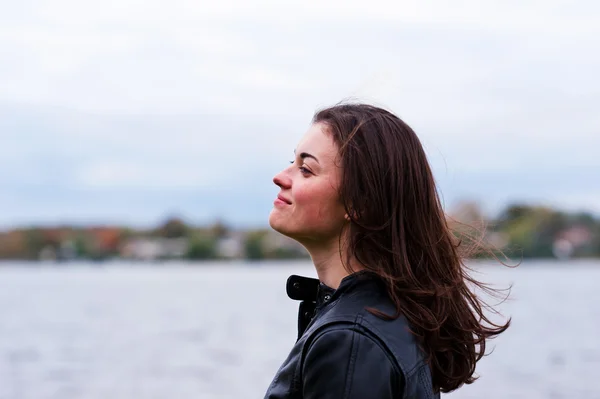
<point>206,101</point>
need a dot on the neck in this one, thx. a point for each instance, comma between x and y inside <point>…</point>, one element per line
<point>329,263</point>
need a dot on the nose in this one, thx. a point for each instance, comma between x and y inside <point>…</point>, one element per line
<point>282,180</point>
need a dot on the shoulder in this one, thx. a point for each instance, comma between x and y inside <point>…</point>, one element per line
<point>351,317</point>
<point>348,360</point>
<point>346,336</point>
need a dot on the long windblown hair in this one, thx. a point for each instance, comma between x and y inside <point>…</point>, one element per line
<point>398,229</point>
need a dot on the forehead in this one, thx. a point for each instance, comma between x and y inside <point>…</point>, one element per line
<point>318,142</point>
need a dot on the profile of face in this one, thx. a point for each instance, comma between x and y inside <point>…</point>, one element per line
<point>308,207</point>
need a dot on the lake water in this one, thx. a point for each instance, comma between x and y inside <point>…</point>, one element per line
<point>222,330</point>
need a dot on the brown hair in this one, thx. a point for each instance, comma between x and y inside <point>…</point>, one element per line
<point>399,230</point>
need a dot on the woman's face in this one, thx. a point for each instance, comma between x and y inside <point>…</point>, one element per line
<point>308,206</point>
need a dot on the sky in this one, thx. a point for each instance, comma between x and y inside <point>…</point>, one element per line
<point>133,111</point>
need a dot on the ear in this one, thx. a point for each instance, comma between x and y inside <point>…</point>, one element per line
<point>353,213</point>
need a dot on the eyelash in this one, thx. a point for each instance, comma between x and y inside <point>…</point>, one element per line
<point>303,170</point>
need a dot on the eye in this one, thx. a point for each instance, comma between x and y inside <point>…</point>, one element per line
<point>304,171</point>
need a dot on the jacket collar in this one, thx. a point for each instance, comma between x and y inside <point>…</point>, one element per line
<point>308,289</point>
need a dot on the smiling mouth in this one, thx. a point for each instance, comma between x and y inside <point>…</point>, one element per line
<point>284,200</point>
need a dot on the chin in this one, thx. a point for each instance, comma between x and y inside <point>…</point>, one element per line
<point>280,225</point>
<point>275,221</point>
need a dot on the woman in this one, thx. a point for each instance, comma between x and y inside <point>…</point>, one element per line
<point>391,314</point>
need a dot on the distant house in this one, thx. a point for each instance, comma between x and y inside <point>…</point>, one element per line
<point>67,250</point>
<point>570,239</point>
<point>231,246</point>
<point>155,248</point>
<point>276,242</point>
<point>48,253</point>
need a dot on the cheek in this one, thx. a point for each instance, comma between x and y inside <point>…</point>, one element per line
<point>316,203</point>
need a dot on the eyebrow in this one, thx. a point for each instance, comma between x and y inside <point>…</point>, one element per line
<point>307,155</point>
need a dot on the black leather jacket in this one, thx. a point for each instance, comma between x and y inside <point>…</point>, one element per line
<point>345,352</point>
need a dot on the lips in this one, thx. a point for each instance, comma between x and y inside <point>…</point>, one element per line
<point>282,198</point>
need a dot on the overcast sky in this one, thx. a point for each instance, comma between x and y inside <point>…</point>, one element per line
<point>130,111</point>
